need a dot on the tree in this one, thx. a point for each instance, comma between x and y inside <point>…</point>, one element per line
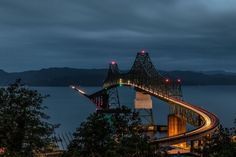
<point>114,134</point>
<point>23,123</point>
<point>219,144</point>
<point>92,138</point>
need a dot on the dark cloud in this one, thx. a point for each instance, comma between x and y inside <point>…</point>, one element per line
<point>184,35</point>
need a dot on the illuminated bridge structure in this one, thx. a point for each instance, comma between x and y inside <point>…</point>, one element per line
<point>145,79</point>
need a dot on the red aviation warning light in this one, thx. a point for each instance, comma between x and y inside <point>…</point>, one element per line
<point>167,80</point>
<point>143,52</point>
<point>113,62</point>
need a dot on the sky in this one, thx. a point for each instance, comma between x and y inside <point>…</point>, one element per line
<point>197,35</point>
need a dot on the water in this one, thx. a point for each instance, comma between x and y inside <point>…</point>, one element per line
<point>68,108</point>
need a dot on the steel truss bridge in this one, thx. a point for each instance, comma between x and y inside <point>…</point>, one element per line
<point>143,77</point>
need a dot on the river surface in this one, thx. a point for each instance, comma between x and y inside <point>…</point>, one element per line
<point>69,109</point>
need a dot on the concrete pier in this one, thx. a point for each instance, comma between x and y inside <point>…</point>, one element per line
<point>176,125</point>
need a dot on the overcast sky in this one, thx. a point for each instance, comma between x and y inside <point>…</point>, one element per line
<point>178,34</point>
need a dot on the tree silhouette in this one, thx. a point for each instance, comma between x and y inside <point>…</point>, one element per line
<point>111,135</point>
<point>23,124</point>
<point>219,144</point>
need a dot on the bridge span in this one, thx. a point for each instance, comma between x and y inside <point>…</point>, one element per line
<point>145,78</point>
<point>209,125</point>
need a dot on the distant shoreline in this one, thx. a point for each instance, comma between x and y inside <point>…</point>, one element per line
<point>63,77</point>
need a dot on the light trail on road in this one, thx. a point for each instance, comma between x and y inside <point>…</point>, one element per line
<point>210,121</point>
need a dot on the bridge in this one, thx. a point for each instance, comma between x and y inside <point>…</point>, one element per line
<point>147,82</point>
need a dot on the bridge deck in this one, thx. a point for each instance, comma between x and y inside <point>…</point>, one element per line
<point>210,121</point>
<point>144,77</point>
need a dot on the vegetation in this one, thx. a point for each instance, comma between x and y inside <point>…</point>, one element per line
<point>112,135</point>
<point>23,124</point>
<point>24,130</point>
<point>219,144</point>
<point>119,135</point>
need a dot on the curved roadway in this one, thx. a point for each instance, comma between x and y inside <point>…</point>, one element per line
<point>210,121</point>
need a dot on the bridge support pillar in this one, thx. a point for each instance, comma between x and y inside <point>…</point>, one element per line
<point>176,125</point>
<point>143,103</point>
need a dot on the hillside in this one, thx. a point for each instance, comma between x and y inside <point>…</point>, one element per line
<point>95,77</point>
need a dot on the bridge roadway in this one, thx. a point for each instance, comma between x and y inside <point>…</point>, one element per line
<point>209,125</point>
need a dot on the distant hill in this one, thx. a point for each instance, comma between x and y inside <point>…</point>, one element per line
<point>95,77</point>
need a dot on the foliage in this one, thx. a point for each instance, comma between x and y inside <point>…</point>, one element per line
<point>105,135</point>
<point>23,124</point>
<point>219,144</point>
